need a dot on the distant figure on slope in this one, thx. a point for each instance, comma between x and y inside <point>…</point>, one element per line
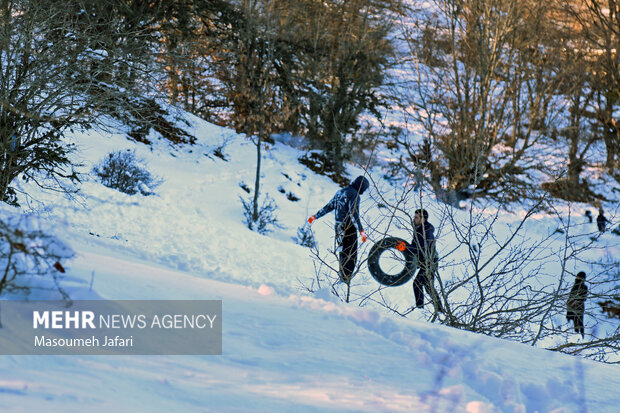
<point>575,305</point>
<point>423,247</point>
<point>589,216</point>
<point>601,221</point>
<point>346,206</point>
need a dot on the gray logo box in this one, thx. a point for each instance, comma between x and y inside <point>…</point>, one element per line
<point>107,327</point>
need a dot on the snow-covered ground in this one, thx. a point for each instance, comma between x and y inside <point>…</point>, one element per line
<point>284,349</point>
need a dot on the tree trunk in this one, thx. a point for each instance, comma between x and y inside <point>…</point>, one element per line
<point>257,181</point>
<point>4,186</point>
<point>7,174</point>
<point>575,165</point>
<point>611,138</point>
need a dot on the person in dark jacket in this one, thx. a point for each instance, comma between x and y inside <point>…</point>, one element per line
<point>601,220</point>
<point>345,205</point>
<point>423,247</point>
<point>575,305</point>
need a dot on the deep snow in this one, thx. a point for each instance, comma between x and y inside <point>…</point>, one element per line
<point>284,349</point>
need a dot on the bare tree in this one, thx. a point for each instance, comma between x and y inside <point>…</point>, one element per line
<point>61,66</point>
<point>297,66</point>
<point>484,94</point>
<point>38,81</point>
<point>598,22</point>
<point>28,250</point>
<point>602,335</point>
<point>347,49</point>
<point>193,35</point>
<point>501,280</point>
<point>258,108</point>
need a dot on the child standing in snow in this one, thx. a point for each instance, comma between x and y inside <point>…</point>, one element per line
<point>575,305</point>
<point>346,206</point>
<point>601,220</point>
<point>423,247</point>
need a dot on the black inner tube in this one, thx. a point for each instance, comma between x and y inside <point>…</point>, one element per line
<point>391,280</point>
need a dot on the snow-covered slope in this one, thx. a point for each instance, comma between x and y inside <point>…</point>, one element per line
<point>283,348</point>
<point>297,353</point>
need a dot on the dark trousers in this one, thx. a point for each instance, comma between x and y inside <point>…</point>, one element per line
<point>425,280</point>
<point>346,244</point>
<point>577,318</point>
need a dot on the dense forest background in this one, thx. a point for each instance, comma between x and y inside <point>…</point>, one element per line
<point>482,98</point>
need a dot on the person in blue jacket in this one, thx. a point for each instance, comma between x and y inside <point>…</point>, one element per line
<point>345,205</point>
<point>423,248</point>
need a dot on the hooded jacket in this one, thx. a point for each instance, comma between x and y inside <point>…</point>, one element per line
<point>346,203</point>
<point>576,299</point>
<point>423,244</point>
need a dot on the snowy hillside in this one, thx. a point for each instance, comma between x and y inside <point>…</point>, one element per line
<point>284,348</point>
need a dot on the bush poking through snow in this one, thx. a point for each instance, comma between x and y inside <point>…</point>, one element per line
<point>122,170</point>
<point>305,237</point>
<point>266,218</point>
<point>27,250</point>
